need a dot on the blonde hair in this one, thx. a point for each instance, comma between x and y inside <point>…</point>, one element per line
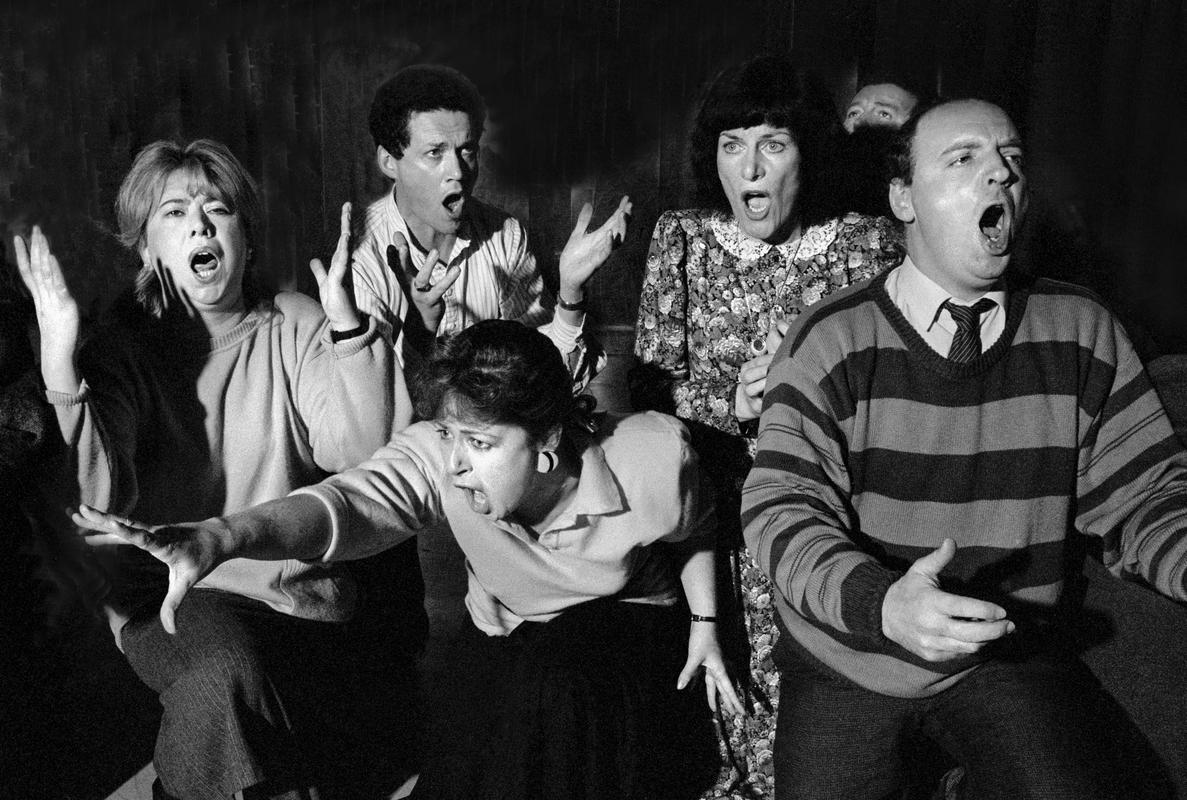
<point>142,188</point>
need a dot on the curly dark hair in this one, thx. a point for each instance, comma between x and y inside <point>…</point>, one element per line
<point>499,372</point>
<point>419,88</point>
<point>766,89</point>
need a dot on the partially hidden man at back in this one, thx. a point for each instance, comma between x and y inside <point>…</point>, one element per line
<point>433,259</point>
<point>932,443</point>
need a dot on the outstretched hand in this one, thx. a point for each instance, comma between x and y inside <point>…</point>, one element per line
<point>704,651</point>
<point>191,551</point>
<point>936,625</point>
<point>58,317</point>
<point>333,286</point>
<point>587,250</point>
<point>427,297</point>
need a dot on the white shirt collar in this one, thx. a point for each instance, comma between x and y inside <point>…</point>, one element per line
<point>744,247</point>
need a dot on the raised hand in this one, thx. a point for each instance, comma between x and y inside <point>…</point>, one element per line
<point>704,651</point>
<point>587,250</point>
<point>427,297</point>
<point>933,624</point>
<point>333,286</point>
<point>191,551</point>
<point>58,316</point>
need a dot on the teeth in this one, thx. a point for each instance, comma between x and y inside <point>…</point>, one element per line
<point>758,203</point>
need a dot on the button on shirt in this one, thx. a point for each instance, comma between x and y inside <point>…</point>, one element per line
<point>921,300</point>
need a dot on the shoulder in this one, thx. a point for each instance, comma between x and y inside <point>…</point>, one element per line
<point>295,306</point>
<point>379,213</point>
<point>838,318</point>
<point>1060,310</point>
<point>878,235</point>
<point>643,443</point>
<point>682,223</point>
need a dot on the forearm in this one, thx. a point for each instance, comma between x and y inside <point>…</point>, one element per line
<point>297,526</point>
<point>697,579</point>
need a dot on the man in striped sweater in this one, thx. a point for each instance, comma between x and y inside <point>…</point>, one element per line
<point>933,446</point>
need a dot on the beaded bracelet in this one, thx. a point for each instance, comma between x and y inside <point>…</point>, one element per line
<point>699,618</point>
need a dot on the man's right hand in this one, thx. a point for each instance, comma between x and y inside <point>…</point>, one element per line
<point>190,550</point>
<point>933,624</point>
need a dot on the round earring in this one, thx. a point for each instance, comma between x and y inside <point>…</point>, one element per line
<point>546,461</point>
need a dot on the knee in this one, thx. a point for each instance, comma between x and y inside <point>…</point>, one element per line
<point>220,675</point>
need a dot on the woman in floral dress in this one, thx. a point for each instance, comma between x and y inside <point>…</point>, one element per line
<point>722,283</point>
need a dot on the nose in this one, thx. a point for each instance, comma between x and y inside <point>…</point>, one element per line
<point>1000,170</point>
<point>459,463</point>
<point>752,166</point>
<point>454,167</point>
<point>200,224</point>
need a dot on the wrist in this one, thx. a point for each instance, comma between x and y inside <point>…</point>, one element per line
<point>705,619</point>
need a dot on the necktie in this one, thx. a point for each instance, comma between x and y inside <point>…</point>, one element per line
<point>966,344</point>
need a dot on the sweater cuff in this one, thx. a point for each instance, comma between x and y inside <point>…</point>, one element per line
<point>862,594</point>
<point>67,399</point>
<point>364,336</point>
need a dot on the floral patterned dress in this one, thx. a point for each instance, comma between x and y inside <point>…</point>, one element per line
<point>708,293</point>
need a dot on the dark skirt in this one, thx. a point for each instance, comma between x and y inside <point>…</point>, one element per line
<point>583,707</point>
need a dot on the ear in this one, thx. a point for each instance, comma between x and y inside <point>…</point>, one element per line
<point>553,440</point>
<point>386,162</point>
<point>899,195</point>
<point>144,259</point>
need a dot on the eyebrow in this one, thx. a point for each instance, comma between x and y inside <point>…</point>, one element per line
<point>978,144</point>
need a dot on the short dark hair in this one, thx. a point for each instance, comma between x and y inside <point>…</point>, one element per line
<point>141,189</point>
<point>765,89</point>
<point>418,88</point>
<point>500,372</point>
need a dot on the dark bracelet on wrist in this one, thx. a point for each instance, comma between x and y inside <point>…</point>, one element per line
<point>342,336</point>
<point>580,305</point>
<point>700,618</point>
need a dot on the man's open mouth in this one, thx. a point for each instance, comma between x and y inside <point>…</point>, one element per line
<point>995,225</point>
<point>204,263</point>
<point>756,203</point>
<point>454,203</point>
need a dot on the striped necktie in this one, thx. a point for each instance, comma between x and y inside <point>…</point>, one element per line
<point>966,343</point>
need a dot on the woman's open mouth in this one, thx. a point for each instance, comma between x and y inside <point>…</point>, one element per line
<point>204,264</point>
<point>757,204</point>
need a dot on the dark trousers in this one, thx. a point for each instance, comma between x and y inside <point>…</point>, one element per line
<point>254,698</point>
<point>1034,728</point>
<point>583,707</point>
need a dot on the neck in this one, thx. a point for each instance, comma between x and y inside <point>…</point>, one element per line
<point>425,237</point>
<point>551,492</point>
<point>217,323</point>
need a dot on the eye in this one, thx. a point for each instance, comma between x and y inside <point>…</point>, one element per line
<point>479,445</point>
<point>443,433</point>
<point>733,148</point>
<point>434,153</point>
<point>775,146</point>
<point>1015,159</point>
<point>469,151</point>
<point>853,113</point>
<point>962,159</point>
<point>218,208</point>
<point>884,114</point>
<point>173,211</point>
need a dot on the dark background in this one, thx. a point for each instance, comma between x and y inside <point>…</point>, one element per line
<point>588,99</point>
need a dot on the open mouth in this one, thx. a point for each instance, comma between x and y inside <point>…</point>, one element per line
<point>476,499</point>
<point>757,203</point>
<point>204,263</point>
<point>454,202</point>
<point>995,227</point>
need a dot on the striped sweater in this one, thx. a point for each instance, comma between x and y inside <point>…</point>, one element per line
<point>873,449</point>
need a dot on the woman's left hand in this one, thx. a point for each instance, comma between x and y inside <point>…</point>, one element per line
<point>333,287</point>
<point>704,651</point>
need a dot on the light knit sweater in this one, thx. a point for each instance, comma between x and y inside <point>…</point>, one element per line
<point>172,428</point>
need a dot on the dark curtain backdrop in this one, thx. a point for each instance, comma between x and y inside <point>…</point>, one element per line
<point>589,99</point>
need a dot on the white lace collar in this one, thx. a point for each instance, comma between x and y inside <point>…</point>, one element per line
<point>739,244</point>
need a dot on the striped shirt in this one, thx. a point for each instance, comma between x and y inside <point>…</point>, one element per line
<point>873,449</point>
<point>499,276</point>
